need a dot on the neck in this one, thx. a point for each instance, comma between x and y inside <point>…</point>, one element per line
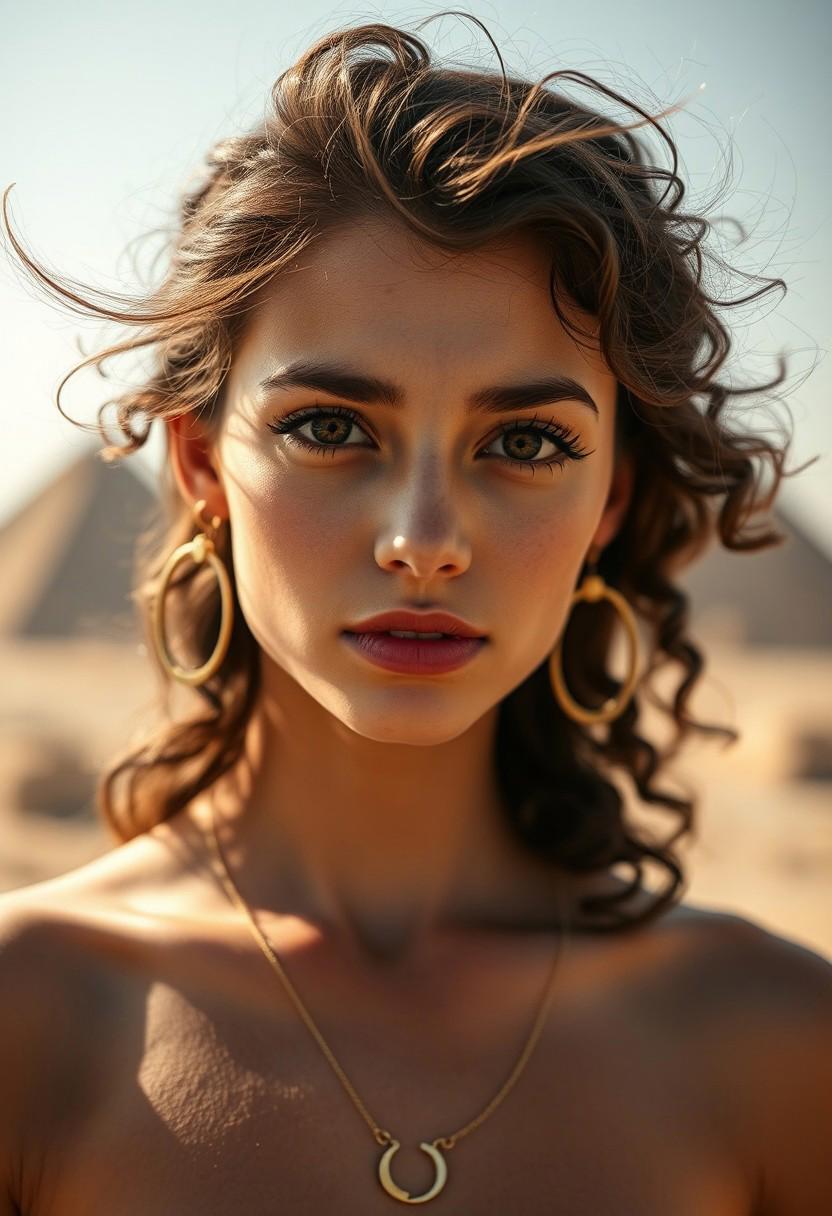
<point>379,844</point>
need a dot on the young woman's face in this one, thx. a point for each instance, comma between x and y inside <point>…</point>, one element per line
<point>428,505</point>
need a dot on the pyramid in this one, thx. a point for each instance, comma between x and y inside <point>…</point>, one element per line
<point>779,596</point>
<point>67,554</point>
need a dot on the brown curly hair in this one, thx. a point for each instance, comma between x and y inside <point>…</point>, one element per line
<point>365,124</point>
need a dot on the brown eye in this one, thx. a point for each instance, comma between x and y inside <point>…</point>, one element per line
<point>523,441</point>
<point>330,428</point>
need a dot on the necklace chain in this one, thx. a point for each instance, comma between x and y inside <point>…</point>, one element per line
<point>381,1135</point>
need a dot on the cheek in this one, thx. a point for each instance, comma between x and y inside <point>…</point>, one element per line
<point>544,547</point>
<point>538,572</point>
<point>286,541</point>
<point>288,519</point>
<point>538,558</point>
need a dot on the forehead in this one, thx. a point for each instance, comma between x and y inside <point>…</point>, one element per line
<point>378,291</point>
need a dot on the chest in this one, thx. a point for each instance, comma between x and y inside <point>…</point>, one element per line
<point>201,1112</point>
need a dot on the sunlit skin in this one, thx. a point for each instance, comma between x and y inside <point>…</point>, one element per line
<point>368,802</point>
<point>152,1061</point>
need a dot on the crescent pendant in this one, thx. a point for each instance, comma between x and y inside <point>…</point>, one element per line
<point>396,1191</point>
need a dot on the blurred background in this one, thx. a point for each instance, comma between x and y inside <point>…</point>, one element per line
<point>114,109</point>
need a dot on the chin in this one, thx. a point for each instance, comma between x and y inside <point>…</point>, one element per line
<point>421,721</point>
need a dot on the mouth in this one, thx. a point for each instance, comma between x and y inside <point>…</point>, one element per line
<point>410,652</point>
<point>403,633</point>
<point>404,623</point>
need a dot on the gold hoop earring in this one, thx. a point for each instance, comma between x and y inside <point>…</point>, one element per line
<point>592,589</point>
<point>200,549</point>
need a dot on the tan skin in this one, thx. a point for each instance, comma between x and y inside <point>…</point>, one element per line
<point>153,1062</point>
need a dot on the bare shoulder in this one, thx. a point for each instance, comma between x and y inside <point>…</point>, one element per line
<point>66,941</point>
<point>38,971</point>
<point>48,1011</point>
<point>764,1007</point>
<point>66,946</point>
<point>728,935</point>
<point>804,972</point>
<point>22,1020</point>
<point>740,982</point>
<point>49,932</point>
<point>780,983</point>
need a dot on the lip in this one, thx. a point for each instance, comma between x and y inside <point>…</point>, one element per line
<point>414,656</point>
<point>417,622</point>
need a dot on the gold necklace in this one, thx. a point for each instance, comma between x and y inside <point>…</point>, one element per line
<point>381,1136</point>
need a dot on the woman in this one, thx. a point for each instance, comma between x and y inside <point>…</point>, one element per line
<point>430,358</point>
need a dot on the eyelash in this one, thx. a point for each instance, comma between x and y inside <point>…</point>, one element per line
<point>550,430</point>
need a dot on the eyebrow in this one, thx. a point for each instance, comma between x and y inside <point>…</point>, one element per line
<point>343,381</point>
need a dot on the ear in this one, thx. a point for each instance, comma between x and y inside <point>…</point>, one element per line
<point>618,500</point>
<point>195,465</point>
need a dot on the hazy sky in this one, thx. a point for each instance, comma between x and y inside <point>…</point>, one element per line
<point>108,108</point>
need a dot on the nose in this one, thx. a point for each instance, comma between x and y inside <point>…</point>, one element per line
<point>421,533</point>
